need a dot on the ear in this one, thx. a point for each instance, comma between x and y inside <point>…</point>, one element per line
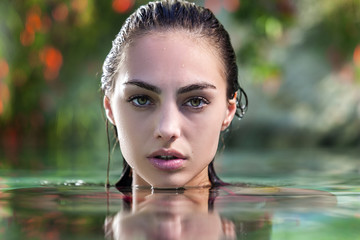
<point>230,113</point>
<point>108,110</point>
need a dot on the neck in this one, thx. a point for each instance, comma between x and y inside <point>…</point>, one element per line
<point>139,181</point>
<point>201,180</point>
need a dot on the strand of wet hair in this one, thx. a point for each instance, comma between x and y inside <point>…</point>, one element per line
<point>107,185</point>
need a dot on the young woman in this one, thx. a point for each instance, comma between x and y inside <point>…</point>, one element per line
<point>171,87</point>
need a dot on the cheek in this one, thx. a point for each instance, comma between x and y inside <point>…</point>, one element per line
<point>204,146</point>
<point>204,132</point>
<point>206,135</point>
<point>131,128</point>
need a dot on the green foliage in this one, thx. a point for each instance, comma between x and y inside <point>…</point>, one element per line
<point>51,55</point>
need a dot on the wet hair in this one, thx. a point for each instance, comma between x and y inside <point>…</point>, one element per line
<point>175,15</point>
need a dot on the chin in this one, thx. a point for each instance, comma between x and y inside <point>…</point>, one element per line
<point>168,184</point>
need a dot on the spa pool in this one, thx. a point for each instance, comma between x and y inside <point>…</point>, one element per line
<point>292,194</point>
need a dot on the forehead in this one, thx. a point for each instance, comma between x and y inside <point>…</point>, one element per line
<point>172,55</point>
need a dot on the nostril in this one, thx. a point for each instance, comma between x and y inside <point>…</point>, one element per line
<point>172,139</point>
<point>168,134</point>
<point>167,137</point>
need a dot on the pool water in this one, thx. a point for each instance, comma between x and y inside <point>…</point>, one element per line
<point>282,195</point>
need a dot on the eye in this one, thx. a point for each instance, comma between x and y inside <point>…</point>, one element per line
<point>196,102</point>
<point>140,101</point>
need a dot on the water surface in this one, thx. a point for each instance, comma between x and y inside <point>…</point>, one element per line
<point>281,196</point>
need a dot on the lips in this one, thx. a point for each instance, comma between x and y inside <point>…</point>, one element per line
<point>167,159</point>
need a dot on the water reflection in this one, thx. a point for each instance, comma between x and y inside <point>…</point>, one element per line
<point>188,214</point>
<point>235,212</point>
<point>222,213</point>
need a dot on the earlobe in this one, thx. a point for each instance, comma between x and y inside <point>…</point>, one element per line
<point>108,110</point>
<point>230,113</point>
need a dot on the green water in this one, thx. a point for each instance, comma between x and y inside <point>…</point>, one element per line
<point>285,195</point>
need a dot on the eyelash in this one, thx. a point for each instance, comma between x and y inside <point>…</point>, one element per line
<point>135,101</point>
<point>203,102</point>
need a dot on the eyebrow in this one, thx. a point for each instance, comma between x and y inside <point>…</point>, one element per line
<point>196,86</point>
<point>144,85</point>
<point>182,90</point>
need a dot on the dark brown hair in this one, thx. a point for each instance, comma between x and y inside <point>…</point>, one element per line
<point>175,15</point>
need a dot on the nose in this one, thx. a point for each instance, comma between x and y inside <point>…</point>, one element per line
<point>168,126</point>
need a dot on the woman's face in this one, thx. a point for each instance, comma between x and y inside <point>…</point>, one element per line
<point>169,105</point>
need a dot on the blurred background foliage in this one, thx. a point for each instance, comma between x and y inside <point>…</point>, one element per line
<point>299,62</point>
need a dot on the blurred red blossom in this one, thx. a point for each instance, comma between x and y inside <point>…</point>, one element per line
<point>52,59</point>
<point>357,55</point>
<point>27,38</point>
<point>4,96</point>
<point>61,12</point>
<point>122,6</point>
<point>231,5</point>
<point>216,5</point>
<point>32,24</point>
<point>4,68</point>
<point>79,5</point>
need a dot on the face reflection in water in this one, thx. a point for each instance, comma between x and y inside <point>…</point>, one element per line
<point>167,215</point>
<point>216,213</point>
<point>169,105</point>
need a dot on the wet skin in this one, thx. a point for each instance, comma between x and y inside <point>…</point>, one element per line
<point>169,105</point>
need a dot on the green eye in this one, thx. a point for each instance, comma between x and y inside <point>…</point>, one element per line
<point>197,102</point>
<point>140,101</point>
